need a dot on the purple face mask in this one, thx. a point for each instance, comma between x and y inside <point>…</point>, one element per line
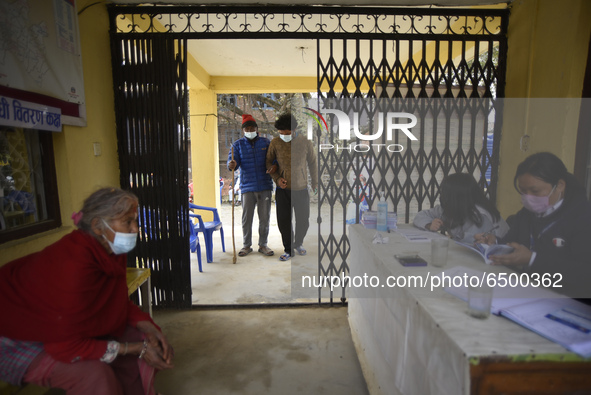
<point>537,204</point>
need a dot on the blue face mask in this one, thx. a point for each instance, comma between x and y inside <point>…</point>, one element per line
<point>285,137</point>
<point>123,242</point>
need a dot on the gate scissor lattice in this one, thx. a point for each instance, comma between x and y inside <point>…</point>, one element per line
<point>449,83</point>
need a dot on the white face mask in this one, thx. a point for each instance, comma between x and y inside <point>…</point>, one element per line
<point>123,242</point>
<point>285,137</point>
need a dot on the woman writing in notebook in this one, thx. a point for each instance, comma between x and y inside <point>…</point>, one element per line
<point>551,233</point>
<point>464,211</point>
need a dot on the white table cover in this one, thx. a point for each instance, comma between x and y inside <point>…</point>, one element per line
<point>417,341</point>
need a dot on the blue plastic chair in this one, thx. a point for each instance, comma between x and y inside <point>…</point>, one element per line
<point>150,220</point>
<point>147,223</point>
<point>25,200</point>
<point>208,228</point>
<point>194,240</point>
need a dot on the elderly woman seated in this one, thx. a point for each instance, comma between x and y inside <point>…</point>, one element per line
<point>67,321</point>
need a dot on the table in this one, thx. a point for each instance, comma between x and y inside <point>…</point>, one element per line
<point>138,278</point>
<point>413,340</point>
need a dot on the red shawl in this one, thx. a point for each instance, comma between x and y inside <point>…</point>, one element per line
<point>68,295</point>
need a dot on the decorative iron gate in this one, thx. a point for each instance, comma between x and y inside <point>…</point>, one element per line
<point>448,65</point>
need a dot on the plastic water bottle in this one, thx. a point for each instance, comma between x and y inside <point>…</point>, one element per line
<point>382,220</point>
<point>350,213</point>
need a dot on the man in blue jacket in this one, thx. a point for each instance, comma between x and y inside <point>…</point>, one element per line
<point>250,153</point>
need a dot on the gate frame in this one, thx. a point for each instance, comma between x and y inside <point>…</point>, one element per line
<point>149,22</point>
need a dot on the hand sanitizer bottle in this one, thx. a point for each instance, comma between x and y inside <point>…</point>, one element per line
<point>382,220</point>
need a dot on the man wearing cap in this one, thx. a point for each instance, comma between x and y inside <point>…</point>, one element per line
<point>250,153</point>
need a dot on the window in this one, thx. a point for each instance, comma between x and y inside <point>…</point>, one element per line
<point>28,189</point>
<point>264,105</point>
<point>225,101</point>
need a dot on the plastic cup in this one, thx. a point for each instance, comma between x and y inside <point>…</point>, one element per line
<point>439,252</point>
<point>479,301</point>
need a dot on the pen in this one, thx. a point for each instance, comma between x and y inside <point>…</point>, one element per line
<point>576,314</point>
<point>490,230</point>
<point>568,323</point>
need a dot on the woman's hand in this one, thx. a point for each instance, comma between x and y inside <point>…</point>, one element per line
<point>155,356</point>
<point>160,352</point>
<point>435,225</point>
<point>282,183</point>
<point>485,238</point>
<point>520,256</point>
<point>272,169</point>
<point>159,342</point>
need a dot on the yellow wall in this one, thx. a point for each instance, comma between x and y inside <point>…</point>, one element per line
<point>204,149</point>
<point>79,172</point>
<point>547,56</point>
<point>263,84</point>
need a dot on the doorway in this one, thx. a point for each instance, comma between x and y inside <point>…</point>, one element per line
<point>447,64</point>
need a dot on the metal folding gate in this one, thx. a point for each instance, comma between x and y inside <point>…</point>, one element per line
<point>450,82</point>
<point>152,134</point>
<point>447,65</point>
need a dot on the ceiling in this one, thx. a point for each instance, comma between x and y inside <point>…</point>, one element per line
<point>276,57</point>
<point>250,58</point>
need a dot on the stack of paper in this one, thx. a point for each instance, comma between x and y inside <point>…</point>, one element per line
<point>417,235</point>
<point>560,319</point>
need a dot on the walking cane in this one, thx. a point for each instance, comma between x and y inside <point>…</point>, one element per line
<point>233,241</point>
